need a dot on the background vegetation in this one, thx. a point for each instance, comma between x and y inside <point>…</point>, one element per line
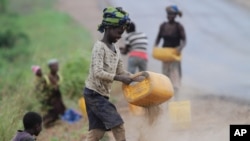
<point>37,33</point>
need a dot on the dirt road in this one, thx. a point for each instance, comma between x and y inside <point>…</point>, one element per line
<point>210,115</point>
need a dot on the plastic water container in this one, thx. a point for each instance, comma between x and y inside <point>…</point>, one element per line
<point>155,89</point>
<point>180,113</point>
<point>82,105</point>
<point>166,54</point>
<point>136,110</point>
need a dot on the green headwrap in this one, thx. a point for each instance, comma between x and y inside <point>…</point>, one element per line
<point>114,16</point>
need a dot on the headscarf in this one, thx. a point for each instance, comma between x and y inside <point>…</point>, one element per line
<point>35,68</point>
<point>173,9</point>
<point>115,17</point>
<point>52,61</point>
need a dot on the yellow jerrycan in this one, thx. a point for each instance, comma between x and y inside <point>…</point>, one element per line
<point>154,89</point>
<point>166,54</point>
<point>82,105</point>
<point>180,113</point>
<point>136,110</point>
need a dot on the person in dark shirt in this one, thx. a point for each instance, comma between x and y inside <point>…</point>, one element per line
<point>32,123</point>
<point>173,35</point>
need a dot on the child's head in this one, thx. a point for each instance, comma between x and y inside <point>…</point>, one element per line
<point>115,21</point>
<point>53,65</point>
<point>32,122</point>
<point>131,28</point>
<point>37,70</point>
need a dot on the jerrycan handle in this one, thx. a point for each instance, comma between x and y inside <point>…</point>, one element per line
<point>140,76</point>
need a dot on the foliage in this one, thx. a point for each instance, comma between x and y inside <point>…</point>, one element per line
<point>74,76</point>
<point>51,35</point>
<point>11,34</point>
<point>12,110</point>
<point>3,6</point>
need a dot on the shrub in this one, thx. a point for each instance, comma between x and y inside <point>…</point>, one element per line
<point>74,75</point>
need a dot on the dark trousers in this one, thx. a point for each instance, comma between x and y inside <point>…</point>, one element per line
<point>56,108</point>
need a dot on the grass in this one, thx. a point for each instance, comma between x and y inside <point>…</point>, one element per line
<point>52,35</point>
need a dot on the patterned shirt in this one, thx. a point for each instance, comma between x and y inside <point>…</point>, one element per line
<point>104,66</point>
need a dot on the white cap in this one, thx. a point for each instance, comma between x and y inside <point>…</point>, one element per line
<point>52,61</point>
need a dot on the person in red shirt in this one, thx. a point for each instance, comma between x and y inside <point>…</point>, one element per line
<point>136,47</point>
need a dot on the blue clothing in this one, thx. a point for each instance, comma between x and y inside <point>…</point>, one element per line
<point>71,116</point>
<point>102,114</point>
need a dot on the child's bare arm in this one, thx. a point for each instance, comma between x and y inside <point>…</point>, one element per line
<point>123,78</point>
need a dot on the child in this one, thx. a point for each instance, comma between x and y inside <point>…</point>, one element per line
<point>136,45</point>
<point>55,101</point>
<point>106,66</point>
<point>40,86</point>
<point>40,82</point>
<point>32,123</point>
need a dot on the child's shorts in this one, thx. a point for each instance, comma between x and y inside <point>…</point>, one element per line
<point>102,114</point>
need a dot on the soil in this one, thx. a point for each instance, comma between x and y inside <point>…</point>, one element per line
<point>208,117</point>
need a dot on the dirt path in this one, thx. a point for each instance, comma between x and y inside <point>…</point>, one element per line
<point>210,115</point>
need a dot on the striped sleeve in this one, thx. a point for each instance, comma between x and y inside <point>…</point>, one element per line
<point>137,40</point>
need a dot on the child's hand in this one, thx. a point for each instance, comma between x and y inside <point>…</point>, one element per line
<point>123,78</point>
<point>139,78</point>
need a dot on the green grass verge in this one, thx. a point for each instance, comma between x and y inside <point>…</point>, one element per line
<point>52,35</point>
